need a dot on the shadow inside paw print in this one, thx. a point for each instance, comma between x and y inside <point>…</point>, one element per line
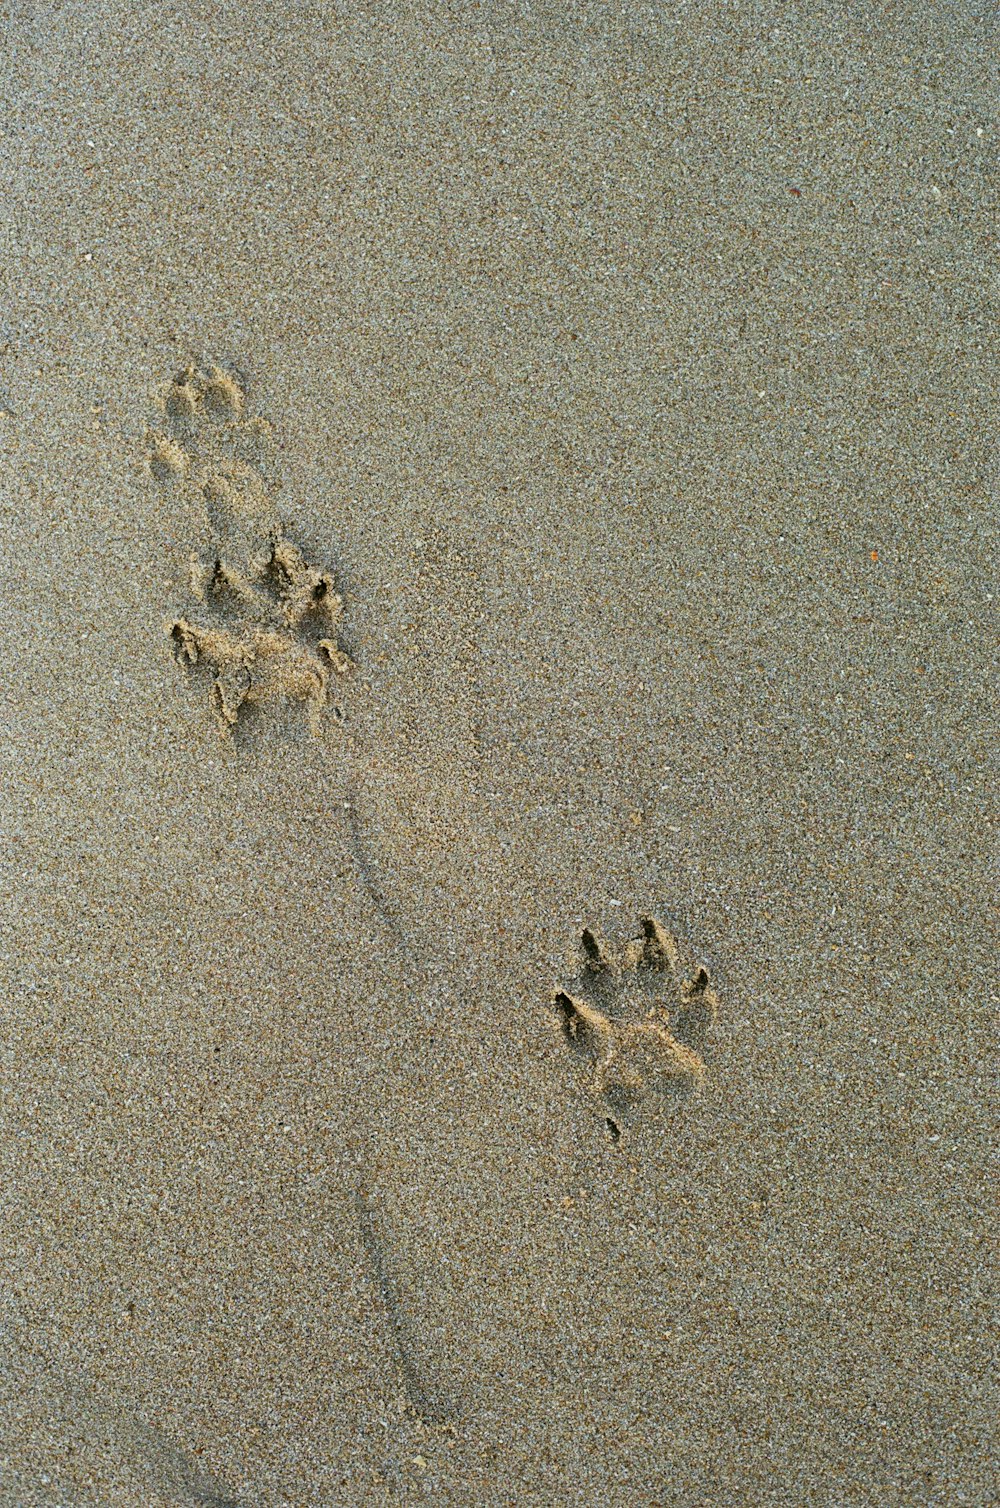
<point>634,1022</point>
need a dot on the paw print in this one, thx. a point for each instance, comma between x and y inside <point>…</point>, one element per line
<point>632,1018</point>
<point>270,630</point>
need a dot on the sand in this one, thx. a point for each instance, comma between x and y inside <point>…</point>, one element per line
<point>626,373</point>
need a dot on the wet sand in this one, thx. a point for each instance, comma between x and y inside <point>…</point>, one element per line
<point>626,374</point>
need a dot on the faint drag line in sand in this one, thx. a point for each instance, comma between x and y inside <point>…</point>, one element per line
<point>369,878</point>
<point>423,1399</point>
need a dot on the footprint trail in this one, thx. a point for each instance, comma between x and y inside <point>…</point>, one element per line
<point>263,621</point>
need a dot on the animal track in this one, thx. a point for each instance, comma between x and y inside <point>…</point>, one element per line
<point>266,621</point>
<point>633,1019</point>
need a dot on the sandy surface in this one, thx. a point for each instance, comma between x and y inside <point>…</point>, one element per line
<point>627,370</point>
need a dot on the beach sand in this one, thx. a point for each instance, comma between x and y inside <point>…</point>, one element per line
<point>626,372</point>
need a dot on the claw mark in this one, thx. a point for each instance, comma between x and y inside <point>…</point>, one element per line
<point>597,954</point>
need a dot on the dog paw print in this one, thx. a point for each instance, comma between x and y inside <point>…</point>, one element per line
<point>633,1021</point>
<point>263,621</point>
<point>269,630</point>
